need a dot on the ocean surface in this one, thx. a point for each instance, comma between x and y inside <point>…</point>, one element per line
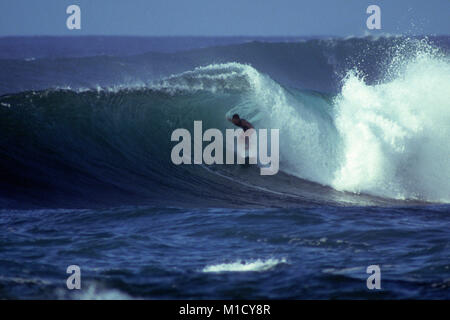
<point>86,176</point>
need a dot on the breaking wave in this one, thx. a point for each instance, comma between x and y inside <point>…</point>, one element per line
<point>387,139</point>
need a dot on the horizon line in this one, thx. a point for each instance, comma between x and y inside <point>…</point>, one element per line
<point>218,36</point>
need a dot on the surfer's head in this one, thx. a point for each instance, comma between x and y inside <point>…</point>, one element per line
<point>236,120</point>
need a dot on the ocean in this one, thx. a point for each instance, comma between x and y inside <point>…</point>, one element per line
<point>86,176</point>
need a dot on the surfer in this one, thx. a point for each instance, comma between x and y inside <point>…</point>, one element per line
<point>242,123</point>
<point>245,125</point>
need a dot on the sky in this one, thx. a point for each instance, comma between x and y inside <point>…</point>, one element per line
<point>223,18</point>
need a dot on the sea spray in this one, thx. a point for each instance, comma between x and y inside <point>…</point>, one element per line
<point>396,133</point>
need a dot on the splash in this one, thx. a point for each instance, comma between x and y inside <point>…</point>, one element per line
<point>395,134</point>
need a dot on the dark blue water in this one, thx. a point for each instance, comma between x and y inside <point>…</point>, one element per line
<point>86,177</point>
<point>149,252</point>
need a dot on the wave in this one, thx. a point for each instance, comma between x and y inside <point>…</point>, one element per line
<point>244,266</point>
<point>112,144</point>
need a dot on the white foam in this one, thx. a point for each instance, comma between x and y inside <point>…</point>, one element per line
<point>213,78</point>
<point>396,134</point>
<point>93,293</point>
<point>244,266</point>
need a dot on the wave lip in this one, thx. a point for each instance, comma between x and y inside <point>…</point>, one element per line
<point>244,266</point>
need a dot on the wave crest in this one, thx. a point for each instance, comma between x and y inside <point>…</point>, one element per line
<point>245,266</point>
